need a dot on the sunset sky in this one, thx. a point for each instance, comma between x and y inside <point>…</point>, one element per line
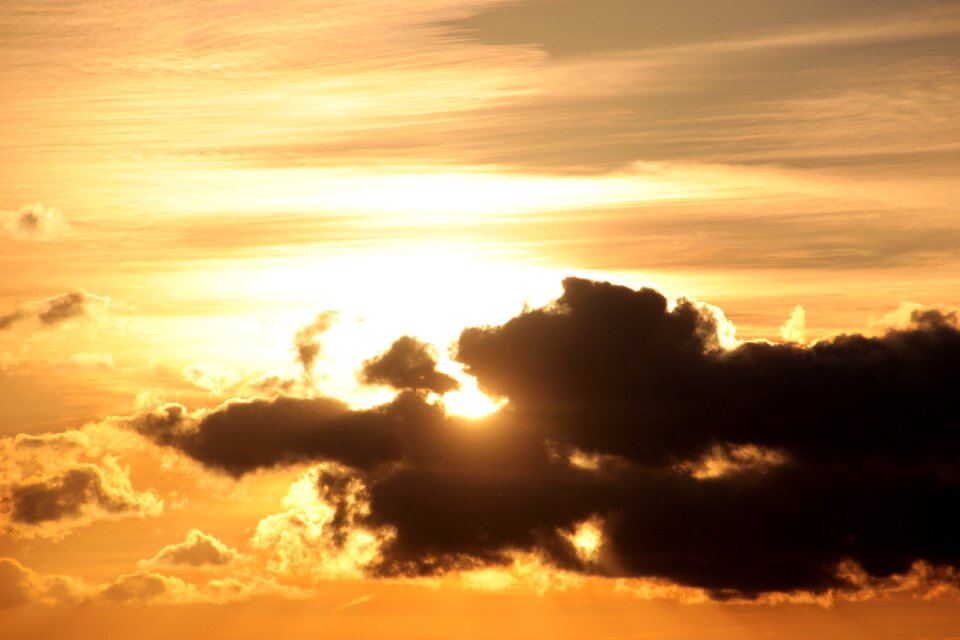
<point>559,319</point>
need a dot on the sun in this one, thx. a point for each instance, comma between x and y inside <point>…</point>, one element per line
<point>469,402</point>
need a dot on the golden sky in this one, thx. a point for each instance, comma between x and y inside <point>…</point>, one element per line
<point>303,323</point>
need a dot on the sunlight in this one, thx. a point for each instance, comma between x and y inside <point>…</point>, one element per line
<point>587,539</point>
<point>470,402</point>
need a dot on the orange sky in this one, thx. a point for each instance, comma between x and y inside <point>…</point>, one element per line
<point>193,196</point>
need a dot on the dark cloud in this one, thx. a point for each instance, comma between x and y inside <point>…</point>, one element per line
<point>757,469</point>
<point>52,311</point>
<point>6,321</point>
<point>244,436</point>
<point>408,364</point>
<point>306,341</point>
<point>63,307</point>
<point>68,496</point>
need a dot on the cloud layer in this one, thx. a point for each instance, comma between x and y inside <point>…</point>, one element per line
<point>757,469</point>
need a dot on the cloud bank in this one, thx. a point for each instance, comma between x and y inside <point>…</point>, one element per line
<point>759,469</point>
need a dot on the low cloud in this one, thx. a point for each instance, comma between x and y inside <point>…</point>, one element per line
<point>52,484</point>
<point>198,550</point>
<point>63,307</point>
<point>408,364</point>
<point>34,222</point>
<point>743,472</point>
<point>21,586</point>
<point>55,310</point>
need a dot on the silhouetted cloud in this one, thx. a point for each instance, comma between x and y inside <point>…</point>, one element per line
<point>243,436</point>
<point>758,469</point>
<point>408,364</point>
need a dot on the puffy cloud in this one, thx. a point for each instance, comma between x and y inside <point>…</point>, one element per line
<point>63,307</point>
<point>17,584</point>
<point>51,484</point>
<point>758,469</point>
<point>144,587</point>
<point>34,222</point>
<point>198,550</point>
<point>795,329</point>
<point>22,586</point>
<point>408,364</point>
<point>56,309</point>
<point>323,532</point>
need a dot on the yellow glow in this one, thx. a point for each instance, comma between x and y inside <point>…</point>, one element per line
<point>417,195</point>
<point>469,401</point>
<point>587,539</point>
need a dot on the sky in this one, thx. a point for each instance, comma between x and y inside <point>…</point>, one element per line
<point>606,319</point>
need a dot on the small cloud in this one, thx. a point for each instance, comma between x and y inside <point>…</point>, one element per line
<point>307,344</point>
<point>51,484</point>
<point>355,602</point>
<point>728,460</point>
<point>408,364</point>
<point>94,360</point>
<point>795,329</point>
<point>34,222</point>
<point>198,550</point>
<point>21,586</point>
<point>57,309</point>
<point>63,307</point>
<point>143,587</point>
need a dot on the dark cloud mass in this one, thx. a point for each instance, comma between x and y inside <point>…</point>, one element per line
<point>408,364</point>
<point>740,471</point>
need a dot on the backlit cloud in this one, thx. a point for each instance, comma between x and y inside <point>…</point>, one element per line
<point>52,484</point>
<point>740,471</point>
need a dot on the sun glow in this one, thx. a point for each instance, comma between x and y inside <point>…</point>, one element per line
<point>587,538</point>
<point>470,402</point>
